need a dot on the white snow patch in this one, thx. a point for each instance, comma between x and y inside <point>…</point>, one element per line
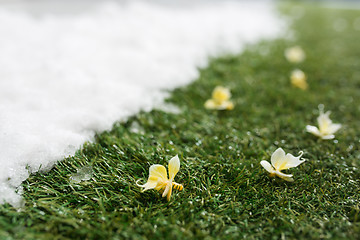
<point>65,76</point>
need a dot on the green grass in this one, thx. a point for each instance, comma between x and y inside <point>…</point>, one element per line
<point>227,194</point>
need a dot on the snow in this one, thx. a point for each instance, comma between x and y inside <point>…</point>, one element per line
<point>64,77</point>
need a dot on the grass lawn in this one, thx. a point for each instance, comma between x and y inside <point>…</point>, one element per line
<point>227,194</point>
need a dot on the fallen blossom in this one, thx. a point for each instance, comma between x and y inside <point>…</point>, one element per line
<point>280,161</point>
<point>159,181</point>
<point>220,99</point>
<point>326,128</point>
<point>295,54</point>
<point>298,79</point>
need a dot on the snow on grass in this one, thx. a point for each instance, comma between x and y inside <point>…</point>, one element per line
<point>64,77</point>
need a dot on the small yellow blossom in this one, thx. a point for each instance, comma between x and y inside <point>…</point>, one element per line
<point>220,99</point>
<point>326,128</point>
<point>159,181</point>
<point>298,79</point>
<point>280,161</point>
<point>295,54</point>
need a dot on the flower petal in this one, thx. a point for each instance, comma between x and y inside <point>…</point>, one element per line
<point>210,104</point>
<point>166,190</point>
<point>267,166</point>
<point>278,158</point>
<point>324,121</point>
<point>228,105</point>
<point>295,54</point>
<point>158,171</point>
<point>150,184</point>
<point>328,137</point>
<point>298,79</point>
<point>174,166</point>
<point>334,127</point>
<point>169,193</point>
<point>221,94</point>
<point>225,105</point>
<point>286,177</point>
<point>291,161</point>
<point>314,130</point>
<point>157,178</point>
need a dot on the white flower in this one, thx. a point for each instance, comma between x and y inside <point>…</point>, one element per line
<point>280,161</point>
<point>294,54</point>
<point>326,128</point>
<point>298,79</point>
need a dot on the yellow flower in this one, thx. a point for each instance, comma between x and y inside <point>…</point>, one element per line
<point>294,54</point>
<point>159,181</point>
<point>298,79</point>
<point>326,128</point>
<point>280,161</point>
<point>220,99</point>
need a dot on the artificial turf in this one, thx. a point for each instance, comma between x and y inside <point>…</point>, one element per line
<point>227,194</point>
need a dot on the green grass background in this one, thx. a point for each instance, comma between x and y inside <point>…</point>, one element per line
<point>227,194</point>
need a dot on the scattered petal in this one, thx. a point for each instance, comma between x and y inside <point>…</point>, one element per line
<point>326,128</point>
<point>314,130</point>
<point>220,99</point>
<point>158,171</point>
<point>221,94</point>
<point>286,177</point>
<point>298,79</point>
<point>295,54</point>
<point>267,166</point>
<point>292,161</point>
<point>277,158</point>
<point>174,166</point>
<point>157,178</point>
<point>280,161</point>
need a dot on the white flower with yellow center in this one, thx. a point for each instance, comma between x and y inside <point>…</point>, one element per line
<point>280,161</point>
<point>326,128</point>
<point>220,99</point>
<point>295,54</point>
<point>298,79</point>
<point>159,181</point>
